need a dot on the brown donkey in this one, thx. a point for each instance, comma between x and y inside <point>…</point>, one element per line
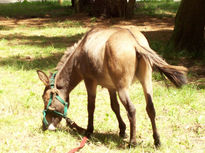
<point>112,58</point>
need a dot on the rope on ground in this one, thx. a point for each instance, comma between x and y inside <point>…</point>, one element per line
<point>82,144</point>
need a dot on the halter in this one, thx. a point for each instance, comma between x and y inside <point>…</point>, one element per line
<point>54,94</point>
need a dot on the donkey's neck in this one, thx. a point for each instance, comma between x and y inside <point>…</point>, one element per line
<point>64,78</point>
<point>66,68</point>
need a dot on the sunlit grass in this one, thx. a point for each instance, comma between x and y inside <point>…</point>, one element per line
<point>156,8</point>
<point>35,9</point>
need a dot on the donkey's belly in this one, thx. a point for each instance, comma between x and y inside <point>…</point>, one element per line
<point>99,74</point>
<point>106,82</point>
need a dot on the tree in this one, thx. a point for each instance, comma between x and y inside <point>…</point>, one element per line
<point>80,4</point>
<point>120,8</point>
<point>188,32</point>
<point>60,1</point>
<point>111,8</point>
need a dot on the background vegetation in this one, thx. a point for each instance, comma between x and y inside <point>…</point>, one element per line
<point>35,35</point>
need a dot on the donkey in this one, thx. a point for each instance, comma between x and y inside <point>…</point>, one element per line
<point>113,58</point>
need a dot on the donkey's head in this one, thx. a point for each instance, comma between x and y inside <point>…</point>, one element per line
<point>55,108</point>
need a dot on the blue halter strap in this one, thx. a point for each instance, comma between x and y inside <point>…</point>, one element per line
<point>64,115</point>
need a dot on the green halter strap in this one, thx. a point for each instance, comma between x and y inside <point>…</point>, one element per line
<point>64,115</point>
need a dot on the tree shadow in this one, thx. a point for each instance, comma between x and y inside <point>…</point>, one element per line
<point>2,27</point>
<point>43,63</point>
<point>109,139</point>
<point>43,41</point>
<point>29,64</point>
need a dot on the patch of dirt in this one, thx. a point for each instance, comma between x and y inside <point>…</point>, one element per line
<point>145,23</point>
<point>12,22</point>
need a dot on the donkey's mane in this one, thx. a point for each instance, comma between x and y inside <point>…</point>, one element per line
<point>67,54</point>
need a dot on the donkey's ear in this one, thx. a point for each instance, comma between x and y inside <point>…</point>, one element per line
<point>43,77</point>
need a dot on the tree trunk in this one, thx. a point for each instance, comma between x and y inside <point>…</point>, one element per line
<point>113,8</point>
<point>73,3</point>
<point>189,27</point>
<point>130,8</point>
<point>110,8</point>
<point>60,2</point>
<point>116,8</point>
<point>80,5</point>
<point>120,8</point>
<point>77,5</point>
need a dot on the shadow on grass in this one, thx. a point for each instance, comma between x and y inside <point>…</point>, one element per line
<point>26,63</point>
<point>43,63</point>
<point>108,139</point>
<point>2,27</point>
<point>111,140</point>
<point>42,41</point>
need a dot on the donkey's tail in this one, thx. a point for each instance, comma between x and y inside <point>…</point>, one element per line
<point>176,74</point>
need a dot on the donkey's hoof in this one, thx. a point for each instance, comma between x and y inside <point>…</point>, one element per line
<point>157,143</point>
<point>132,144</point>
<point>123,135</point>
<point>88,134</point>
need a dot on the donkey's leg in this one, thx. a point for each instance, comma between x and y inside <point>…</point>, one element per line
<point>75,80</point>
<point>131,112</point>
<point>145,77</point>
<point>116,109</point>
<point>91,91</point>
<point>147,87</point>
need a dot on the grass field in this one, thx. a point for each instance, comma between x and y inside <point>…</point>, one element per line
<point>156,8</point>
<point>38,43</point>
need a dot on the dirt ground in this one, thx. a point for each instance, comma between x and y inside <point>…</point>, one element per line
<point>159,29</point>
<point>145,23</point>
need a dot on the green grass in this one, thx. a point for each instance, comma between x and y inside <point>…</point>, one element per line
<point>159,9</point>
<point>35,9</point>
<point>25,48</point>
